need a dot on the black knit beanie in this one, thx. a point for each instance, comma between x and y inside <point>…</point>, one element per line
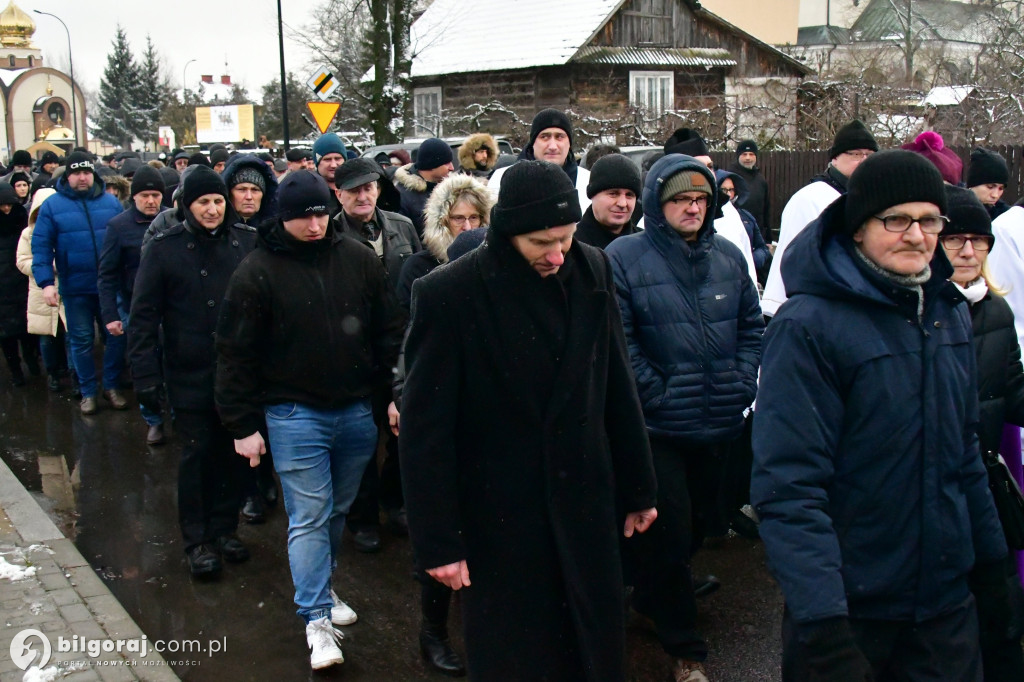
<point>888,179</point>
<point>199,159</point>
<point>218,156</point>
<point>613,171</point>
<point>147,179</point>
<point>201,181</point>
<point>853,135</point>
<point>686,141</point>
<point>534,195</point>
<point>746,146</point>
<point>549,118</point>
<point>78,161</point>
<point>966,213</point>
<point>987,167</point>
<point>303,193</point>
<point>433,153</point>
<point>21,158</point>
<point>48,157</point>
<point>247,174</point>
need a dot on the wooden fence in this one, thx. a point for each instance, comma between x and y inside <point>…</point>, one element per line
<point>786,172</point>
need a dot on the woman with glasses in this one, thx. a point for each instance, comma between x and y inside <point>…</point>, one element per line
<point>967,241</point>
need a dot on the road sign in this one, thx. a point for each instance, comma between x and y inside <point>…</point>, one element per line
<point>323,113</point>
<point>322,82</point>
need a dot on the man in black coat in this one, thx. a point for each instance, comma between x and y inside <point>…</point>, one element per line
<point>179,288</point>
<point>416,181</point>
<point>758,198</point>
<point>613,191</point>
<point>521,434</point>
<point>119,262</point>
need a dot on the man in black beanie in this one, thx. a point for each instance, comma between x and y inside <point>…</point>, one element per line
<point>853,143</point>
<point>551,141</point>
<point>518,498</point>
<point>987,178</point>
<point>613,190</point>
<point>219,159</point>
<point>874,502</point>
<point>308,357</point>
<point>758,197</point>
<point>48,162</point>
<point>416,181</point>
<point>119,263</point>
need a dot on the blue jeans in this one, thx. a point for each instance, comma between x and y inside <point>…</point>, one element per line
<point>320,456</point>
<point>83,313</point>
<point>151,418</point>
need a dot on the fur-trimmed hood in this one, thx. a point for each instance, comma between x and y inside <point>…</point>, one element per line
<point>407,177</point>
<point>436,236</point>
<point>470,147</point>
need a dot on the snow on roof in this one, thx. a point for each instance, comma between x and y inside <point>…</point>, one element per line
<point>656,56</point>
<point>947,95</point>
<point>455,36</point>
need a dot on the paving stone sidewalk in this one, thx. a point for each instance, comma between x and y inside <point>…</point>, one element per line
<point>46,585</point>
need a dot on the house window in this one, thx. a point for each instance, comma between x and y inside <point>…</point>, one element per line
<point>426,111</point>
<point>652,91</point>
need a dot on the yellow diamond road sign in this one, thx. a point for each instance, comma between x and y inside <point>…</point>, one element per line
<point>323,113</point>
<point>323,82</point>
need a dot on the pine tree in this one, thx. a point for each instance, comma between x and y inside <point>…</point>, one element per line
<point>152,92</point>
<point>118,118</point>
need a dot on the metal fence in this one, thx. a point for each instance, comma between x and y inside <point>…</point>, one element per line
<point>786,172</point>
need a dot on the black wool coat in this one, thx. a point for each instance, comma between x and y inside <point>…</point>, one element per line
<point>13,284</point>
<point>520,474</point>
<point>180,286</point>
<point>1000,375</point>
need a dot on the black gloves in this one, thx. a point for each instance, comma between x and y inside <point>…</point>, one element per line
<point>832,652</point>
<point>149,398</point>
<point>991,592</point>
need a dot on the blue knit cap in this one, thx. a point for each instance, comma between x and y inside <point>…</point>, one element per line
<point>327,144</point>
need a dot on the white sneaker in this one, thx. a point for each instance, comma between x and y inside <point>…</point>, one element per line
<point>323,639</point>
<point>342,613</point>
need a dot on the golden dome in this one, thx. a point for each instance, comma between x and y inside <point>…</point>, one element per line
<point>16,27</point>
<point>59,133</point>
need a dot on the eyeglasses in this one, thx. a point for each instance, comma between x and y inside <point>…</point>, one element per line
<point>897,222</point>
<point>461,220</point>
<point>955,242</point>
<point>859,155</point>
<point>729,190</point>
<point>687,202</point>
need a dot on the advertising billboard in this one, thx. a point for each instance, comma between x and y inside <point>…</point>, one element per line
<point>230,123</point>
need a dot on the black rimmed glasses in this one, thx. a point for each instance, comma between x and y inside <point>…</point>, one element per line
<point>897,222</point>
<point>955,242</point>
<point>687,202</point>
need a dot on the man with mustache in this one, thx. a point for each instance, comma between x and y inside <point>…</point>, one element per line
<point>874,502</point>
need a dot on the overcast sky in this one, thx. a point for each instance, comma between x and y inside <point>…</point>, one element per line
<point>243,32</point>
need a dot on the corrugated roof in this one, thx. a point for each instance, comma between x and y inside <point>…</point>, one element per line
<point>456,36</point>
<point>822,35</point>
<point>932,20</point>
<point>653,56</point>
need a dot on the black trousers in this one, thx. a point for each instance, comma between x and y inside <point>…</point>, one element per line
<point>29,344</point>
<point>380,487</point>
<point>943,648</point>
<point>657,563</point>
<point>209,477</point>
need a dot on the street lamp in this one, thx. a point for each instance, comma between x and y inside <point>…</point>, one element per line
<point>71,62</point>
<point>184,82</point>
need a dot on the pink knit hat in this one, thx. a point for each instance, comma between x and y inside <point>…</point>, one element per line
<point>930,145</point>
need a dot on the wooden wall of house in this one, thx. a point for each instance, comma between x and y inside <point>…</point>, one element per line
<point>515,90</point>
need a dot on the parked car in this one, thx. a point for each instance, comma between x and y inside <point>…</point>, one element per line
<point>637,153</point>
<point>412,146</point>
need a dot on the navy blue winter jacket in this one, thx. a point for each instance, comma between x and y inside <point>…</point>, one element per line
<point>119,261</point>
<point>72,225</point>
<point>873,499</point>
<point>692,319</point>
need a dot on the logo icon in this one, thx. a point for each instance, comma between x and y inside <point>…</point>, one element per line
<point>23,654</point>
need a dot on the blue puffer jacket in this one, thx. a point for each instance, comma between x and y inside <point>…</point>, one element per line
<point>69,230</point>
<point>692,319</point>
<point>268,207</point>
<point>873,499</point>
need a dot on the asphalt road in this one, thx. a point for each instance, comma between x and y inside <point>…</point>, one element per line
<point>116,501</point>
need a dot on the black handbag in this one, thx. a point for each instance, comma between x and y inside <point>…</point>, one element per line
<point>1008,498</point>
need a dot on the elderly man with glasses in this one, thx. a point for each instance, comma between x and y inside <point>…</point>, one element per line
<point>874,503</point>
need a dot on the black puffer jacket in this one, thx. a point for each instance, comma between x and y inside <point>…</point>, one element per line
<point>180,285</point>
<point>1000,374</point>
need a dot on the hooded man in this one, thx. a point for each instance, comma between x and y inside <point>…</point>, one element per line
<point>874,502</point>
<point>613,191</point>
<point>758,199</point>
<point>478,154</point>
<point>693,327</point>
<point>733,189</point>
<point>328,156</point>
<point>551,141</point>
<point>252,188</point>
<point>417,180</point>
<point>119,263</point>
<point>69,233</point>
<point>853,143</point>
<point>987,177</point>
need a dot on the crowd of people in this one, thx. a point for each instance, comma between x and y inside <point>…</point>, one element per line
<point>560,381</point>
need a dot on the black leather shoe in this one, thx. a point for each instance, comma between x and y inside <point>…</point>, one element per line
<point>268,489</point>
<point>438,653</point>
<point>232,549</point>
<point>155,435</point>
<point>204,561</point>
<point>253,510</point>
<point>396,522</point>
<point>705,586</point>
<point>366,540</point>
